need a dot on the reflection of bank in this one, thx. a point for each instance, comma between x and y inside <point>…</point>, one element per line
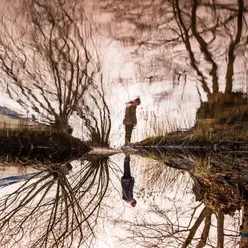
<point>26,144</point>
<point>57,171</point>
<point>220,182</point>
<point>223,109</point>
<point>15,179</point>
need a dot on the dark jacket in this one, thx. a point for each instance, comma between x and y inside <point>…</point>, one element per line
<point>127,188</point>
<point>130,115</point>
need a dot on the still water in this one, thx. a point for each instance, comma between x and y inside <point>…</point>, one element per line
<point>202,193</point>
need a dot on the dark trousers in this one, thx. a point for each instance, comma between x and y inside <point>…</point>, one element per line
<point>127,171</point>
<point>128,133</point>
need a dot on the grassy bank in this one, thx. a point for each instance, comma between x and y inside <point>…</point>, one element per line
<point>204,134</point>
<point>40,145</point>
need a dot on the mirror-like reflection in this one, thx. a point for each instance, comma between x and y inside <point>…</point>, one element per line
<point>185,197</point>
<point>58,206</point>
<point>219,181</point>
<point>127,183</point>
<point>110,105</point>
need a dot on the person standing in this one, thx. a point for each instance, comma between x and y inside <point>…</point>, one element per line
<point>130,119</point>
<point>127,183</point>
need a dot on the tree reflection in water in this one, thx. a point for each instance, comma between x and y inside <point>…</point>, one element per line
<point>219,181</point>
<point>59,209</point>
<point>55,210</point>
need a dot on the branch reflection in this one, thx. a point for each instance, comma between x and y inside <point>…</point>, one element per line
<point>219,182</point>
<point>55,208</point>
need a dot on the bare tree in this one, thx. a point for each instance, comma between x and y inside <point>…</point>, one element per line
<point>95,113</point>
<point>47,64</point>
<point>213,33</point>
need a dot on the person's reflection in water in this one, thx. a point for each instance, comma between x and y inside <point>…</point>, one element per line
<point>130,119</point>
<point>127,183</point>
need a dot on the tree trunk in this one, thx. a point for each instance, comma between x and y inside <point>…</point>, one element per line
<point>220,229</point>
<point>244,227</point>
<point>206,229</point>
<point>194,228</point>
<point>231,54</point>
